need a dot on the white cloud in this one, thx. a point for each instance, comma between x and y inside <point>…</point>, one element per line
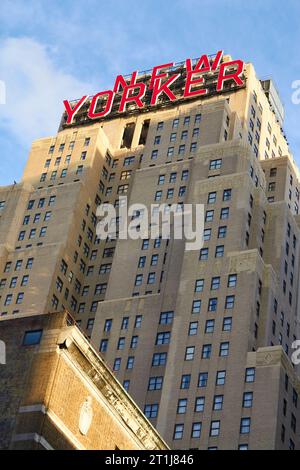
<point>35,89</point>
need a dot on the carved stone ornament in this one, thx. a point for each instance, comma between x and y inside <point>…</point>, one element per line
<point>85,416</point>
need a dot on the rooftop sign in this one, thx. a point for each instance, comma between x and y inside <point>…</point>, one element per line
<point>164,83</point>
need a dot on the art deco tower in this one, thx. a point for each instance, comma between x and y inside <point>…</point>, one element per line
<point>201,340</point>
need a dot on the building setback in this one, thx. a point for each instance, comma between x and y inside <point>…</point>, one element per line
<point>202,341</point>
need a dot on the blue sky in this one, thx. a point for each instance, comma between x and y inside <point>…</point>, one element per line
<point>52,50</point>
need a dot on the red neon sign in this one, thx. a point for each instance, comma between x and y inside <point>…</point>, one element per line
<point>166,82</point>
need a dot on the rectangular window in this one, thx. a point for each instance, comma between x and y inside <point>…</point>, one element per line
<point>181,406</point>
<point>185,381</point>
<point>159,359</point>
<point>203,379</point>
<point>218,402</point>
<point>214,428</point>
<point>250,375</point>
<point>199,404</point>
<point>196,430</point>
<point>245,426</point>
<point>32,338</point>
<point>215,164</point>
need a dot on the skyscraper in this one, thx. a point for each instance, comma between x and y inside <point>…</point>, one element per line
<point>202,340</point>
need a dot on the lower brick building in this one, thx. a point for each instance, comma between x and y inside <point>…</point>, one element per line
<point>57,393</point>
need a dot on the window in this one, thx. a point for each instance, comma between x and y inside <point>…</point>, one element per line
<point>199,404</point>
<point>43,231</point>
<point>206,351</point>
<point>126,384</point>
<point>197,118</point>
<point>159,359</point>
<point>47,216</point>
<point>212,304</point>
<point>103,345</point>
<point>214,428</point>
<point>155,383</point>
<point>202,379</point>
<point>138,280</point>
<point>196,430</point>
<point>128,161</point>
<point>107,325</point>
<point>193,328</point>
<point>293,422</point>
<point>189,353</point>
<point>245,425</point>
<point>32,338</point>
<point>125,323</point>
<point>154,154</point>
<point>207,234</point>
<point>154,260</point>
<point>30,204</point>
<point>117,364</point>
<point>224,349</point>
<point>232,280</point>
<point>79,170</point>
<point>18,264</point>
<point>247,399</point>
<point>193,147</point>
<point>250,375</point>
<point>51,201</point>
<point>138,321</point>
<point>209,215</point>
<point>29,263</point>
<point>178,431</point>
<point>181,149</point>
<point>218,402</point>
<point>166,318</point>
<point>160,126</point>
<point>227,324</point>
<point>215,164</point>
<point>21,235</point>
<point>130,362</point>
<point>8,299</point>
<point>161,179</point>
<point>224,213</point>
<point>134,342</point>
<point>196,306</point>
<point>184,175</point>
<point>203,254</point>
<point>175,123</point>
<point>215,283</point>
<point>185,381</point>
<point>163,338</point>
<point>151,411</point>
<point>170,152</point>
<point>13,282</point>
<point>229,302</point>
<point>226,194</point>
<point>221,377</point>
<point>181,406</point>
<point>209,326</point>
<point>219,253</point>
<point>212,197</point>
<point>222,232</point>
